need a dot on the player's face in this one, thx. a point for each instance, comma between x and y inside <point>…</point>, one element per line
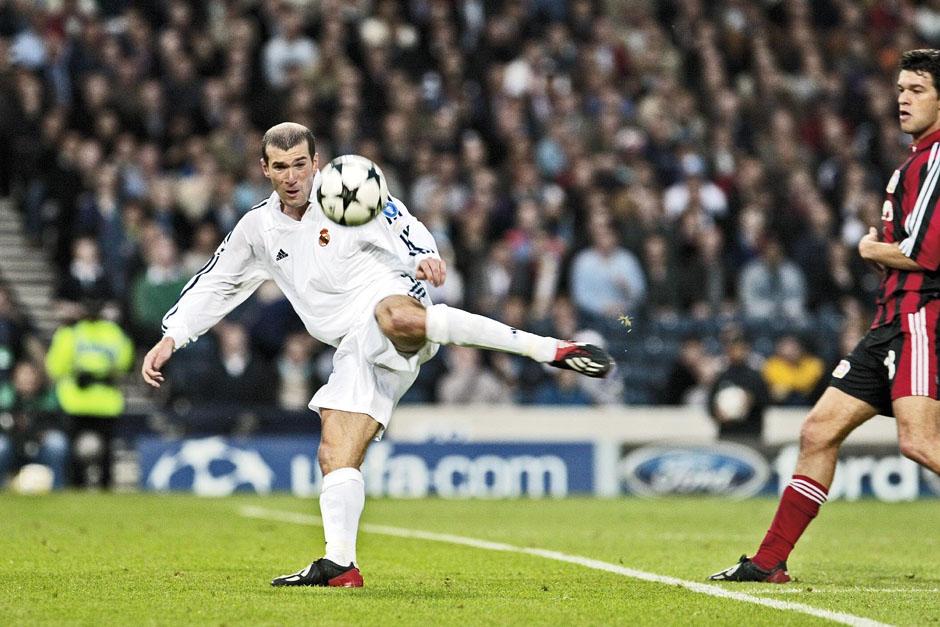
<point>291,172</point>
<point>918,103</point>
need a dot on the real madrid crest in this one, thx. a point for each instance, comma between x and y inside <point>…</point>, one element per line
<point>324,237</point>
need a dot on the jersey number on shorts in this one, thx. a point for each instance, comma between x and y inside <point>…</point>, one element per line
<point>889,362</point>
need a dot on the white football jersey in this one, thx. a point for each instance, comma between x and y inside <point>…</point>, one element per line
<point>329,273</point>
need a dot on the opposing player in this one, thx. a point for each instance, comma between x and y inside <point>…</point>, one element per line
<point>356,288</point>
<point>893,370</point>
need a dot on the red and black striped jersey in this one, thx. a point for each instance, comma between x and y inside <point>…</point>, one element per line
<point>910,218</point>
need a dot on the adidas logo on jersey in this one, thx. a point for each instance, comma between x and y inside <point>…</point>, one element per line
<point>280,255</point>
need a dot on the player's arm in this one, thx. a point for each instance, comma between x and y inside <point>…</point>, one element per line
<point>154,360</point>
<point>408,238</point>
<point>885,254</point>
<point>922,245</point>
<point>227,280</point>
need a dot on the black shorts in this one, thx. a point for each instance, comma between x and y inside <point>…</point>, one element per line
<point>862,373</point>
<point>893,361</point>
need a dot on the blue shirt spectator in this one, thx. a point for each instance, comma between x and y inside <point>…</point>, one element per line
<point>772,286</point>
<point>606,279</point>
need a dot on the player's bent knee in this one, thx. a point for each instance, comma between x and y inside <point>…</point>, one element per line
<point>818,433</point>
<point>401,323</point>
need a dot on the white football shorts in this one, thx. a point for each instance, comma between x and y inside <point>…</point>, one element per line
<point>369,374</point>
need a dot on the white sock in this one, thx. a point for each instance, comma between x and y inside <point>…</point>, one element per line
<point>446,325</point>
<point>342,498</point>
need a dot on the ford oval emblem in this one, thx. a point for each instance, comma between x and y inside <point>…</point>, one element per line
<point>720,469</point>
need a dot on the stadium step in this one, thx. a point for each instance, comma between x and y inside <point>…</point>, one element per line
<point>31,297</point>
<point>27,275</point>
<point>30,276</point>
<point>13,261</point>
<point>12,240</point>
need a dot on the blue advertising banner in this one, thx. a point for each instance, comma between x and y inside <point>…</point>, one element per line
<point>480,470</point>
<point>878,472</point>
<point>720,469</point>
<point>737,471</point>
<point>218,466</point>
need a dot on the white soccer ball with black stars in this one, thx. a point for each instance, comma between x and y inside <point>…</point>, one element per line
<point>352,190</point>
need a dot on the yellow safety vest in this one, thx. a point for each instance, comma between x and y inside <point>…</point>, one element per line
<point>85,360</point>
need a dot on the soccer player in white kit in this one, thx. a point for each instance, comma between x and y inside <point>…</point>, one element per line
<point>360,290</point>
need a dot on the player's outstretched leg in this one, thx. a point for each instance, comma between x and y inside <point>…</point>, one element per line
<point>447,325</point>
<point>322,572</point>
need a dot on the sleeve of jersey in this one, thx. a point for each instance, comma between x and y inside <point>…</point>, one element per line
<point>923,224</point>
<point>227,279</point>
<point>403,234</point>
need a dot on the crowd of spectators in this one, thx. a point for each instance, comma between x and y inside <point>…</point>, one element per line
<point>641,172</point>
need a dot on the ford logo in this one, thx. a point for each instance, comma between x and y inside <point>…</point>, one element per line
<point>722,468</point>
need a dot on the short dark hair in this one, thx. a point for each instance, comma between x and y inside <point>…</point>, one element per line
<point>286,136</point>
<point>923,60</point>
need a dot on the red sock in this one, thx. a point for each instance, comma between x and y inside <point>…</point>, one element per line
<point>798,506</point>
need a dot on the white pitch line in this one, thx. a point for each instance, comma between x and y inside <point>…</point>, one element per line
<point>844,589</point>
<point>701,588</point>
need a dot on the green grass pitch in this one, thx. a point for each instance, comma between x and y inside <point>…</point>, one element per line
<point>166,559</point>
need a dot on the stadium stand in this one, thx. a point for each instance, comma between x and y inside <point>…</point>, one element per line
<point>517,131</point>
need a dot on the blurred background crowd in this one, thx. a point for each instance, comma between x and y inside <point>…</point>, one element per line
<point>683,181</point>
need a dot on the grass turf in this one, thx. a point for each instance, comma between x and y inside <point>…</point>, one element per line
<point>162,559</point>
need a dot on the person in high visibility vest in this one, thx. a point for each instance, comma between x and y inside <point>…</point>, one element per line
<point>86,360</point>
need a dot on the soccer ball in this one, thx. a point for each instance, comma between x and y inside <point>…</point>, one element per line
<point>352,190</point>
<point>733,402</point>
<point>33,479</point>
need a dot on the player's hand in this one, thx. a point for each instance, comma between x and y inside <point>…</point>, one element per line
<point>865,244</point>
<point>866,249</point>
<point>154,360</point>
<point>433,270</point>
